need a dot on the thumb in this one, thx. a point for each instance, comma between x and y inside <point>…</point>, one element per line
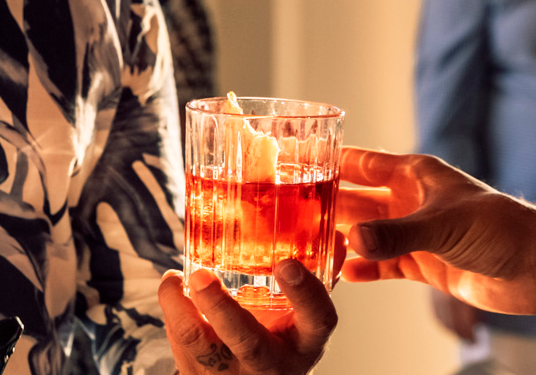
<point>315,317</point>
<point>385,239</point>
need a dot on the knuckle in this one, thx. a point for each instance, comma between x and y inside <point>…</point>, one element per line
<point>188,335</point>
<point>322,315</point>
<point>325,325</point>
<point>308,298</point>
<point>218,304</point>
<point>330,322</point>
<point>252,349</point>
<point>168,286</point>
<point>425,159</point>
<point>425,163</point>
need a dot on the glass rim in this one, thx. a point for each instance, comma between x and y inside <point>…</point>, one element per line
<point>339,113</point>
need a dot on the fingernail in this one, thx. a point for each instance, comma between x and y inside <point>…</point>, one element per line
<point>171,273</point>
<point>290,273</point>
<point>201,279</point>
<point>369,238</point>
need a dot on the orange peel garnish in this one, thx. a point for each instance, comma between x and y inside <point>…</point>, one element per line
<point>250,155</point>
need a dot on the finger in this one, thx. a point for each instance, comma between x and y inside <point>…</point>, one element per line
<point>360,270</point>
<point>367,167</point>
<point>356,205</point>
<point>425,230</point>
<point>194,343</point>
<point>315,317</point>
<point>400,172</point>
<point>183,320</point>
<point>363,270</point>
<point>341,243</point>
<point>248,340</point>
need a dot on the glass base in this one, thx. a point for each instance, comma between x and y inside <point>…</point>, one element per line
<point>251,291</point>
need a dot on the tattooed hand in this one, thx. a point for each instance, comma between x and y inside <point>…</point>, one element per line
<point>232,341</point>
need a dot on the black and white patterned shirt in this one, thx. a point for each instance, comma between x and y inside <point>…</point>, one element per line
<point>91,180</point>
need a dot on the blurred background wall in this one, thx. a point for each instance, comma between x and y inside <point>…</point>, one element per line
<point>357,54</point>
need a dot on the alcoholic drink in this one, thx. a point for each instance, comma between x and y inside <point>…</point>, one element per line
<point>243,229</point>
<point>261,180</point>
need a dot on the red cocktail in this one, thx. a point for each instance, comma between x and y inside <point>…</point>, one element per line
<point>240,222</point>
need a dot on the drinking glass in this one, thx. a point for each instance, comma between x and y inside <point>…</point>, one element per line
<point>260,188</point>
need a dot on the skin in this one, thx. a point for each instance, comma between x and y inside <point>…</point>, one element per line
<point>212,334</point>
<point>415,217</point>
<point>412,217</point>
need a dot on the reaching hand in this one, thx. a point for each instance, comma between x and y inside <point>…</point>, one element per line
<point>230,340</point>
<point>427,221</point>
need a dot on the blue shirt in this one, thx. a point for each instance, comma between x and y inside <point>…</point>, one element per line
<point>476,98</point>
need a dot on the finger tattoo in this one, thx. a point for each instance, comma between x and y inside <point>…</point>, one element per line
<point>217,357</point>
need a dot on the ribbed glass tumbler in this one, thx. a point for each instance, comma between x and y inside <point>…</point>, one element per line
<point>261,179</point>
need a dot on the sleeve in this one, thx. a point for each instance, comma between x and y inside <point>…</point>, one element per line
<point>37,256</point>
<point>451,82</point>
<point>128,223</point>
